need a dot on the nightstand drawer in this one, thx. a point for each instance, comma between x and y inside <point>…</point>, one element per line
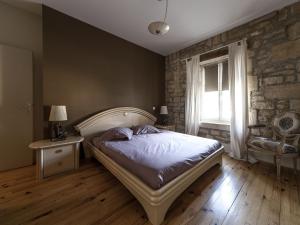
<point>58,160</point>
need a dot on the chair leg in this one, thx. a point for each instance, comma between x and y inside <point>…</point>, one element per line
<point>278,158</point>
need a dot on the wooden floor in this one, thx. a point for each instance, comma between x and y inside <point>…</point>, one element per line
<point>237,194</point>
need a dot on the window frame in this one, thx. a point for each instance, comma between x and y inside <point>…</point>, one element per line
<point>209,62</point>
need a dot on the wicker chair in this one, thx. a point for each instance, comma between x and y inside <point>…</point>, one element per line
<point>284,142</point>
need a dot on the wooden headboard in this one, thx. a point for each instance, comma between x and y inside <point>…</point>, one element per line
<point>117,117</point>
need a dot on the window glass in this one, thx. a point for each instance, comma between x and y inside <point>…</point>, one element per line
<point>225,106</point>
<point>216,95</point>
<point>225,82</point>
<point>211,78</point>
<point>210,109</point>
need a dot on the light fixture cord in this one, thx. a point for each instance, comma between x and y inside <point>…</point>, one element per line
<point>166,11</point>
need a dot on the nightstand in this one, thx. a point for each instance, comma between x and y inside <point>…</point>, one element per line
<point>56,157</point>
<point>165,127</point>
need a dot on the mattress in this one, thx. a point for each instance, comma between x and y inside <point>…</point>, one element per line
<point>159,158</point>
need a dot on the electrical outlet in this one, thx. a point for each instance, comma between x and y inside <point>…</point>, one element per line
<point>153,108</point>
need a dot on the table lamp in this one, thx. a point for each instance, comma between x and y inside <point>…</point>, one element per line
<point>58,114</point>
<point>164,114</point>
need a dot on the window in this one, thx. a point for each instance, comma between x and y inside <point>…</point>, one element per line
<point>215,92</point>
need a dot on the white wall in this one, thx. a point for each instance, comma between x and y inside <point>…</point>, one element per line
<point>21,27</point>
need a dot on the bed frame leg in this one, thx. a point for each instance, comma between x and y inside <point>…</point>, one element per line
<point>156,213</point>
<point>156,216</point>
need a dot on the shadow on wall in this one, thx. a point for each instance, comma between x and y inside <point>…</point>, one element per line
<point>32,6</point>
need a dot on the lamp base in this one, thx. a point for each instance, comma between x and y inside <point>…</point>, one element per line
<point>58,139</point>
<point>164,119</point>
<point>57,132</point>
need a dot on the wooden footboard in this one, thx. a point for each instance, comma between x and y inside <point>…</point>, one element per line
<point>156,202</point>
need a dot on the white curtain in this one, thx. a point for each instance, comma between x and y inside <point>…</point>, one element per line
<point>193,96</point>
<point>238,97</point>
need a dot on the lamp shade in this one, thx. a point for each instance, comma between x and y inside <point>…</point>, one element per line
<point>58,113</point>
<point>164,110</point>
<point>158,28</point>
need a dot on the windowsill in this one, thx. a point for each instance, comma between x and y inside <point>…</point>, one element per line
<point>215,125</point>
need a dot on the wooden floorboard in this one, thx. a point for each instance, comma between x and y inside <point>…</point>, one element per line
<point>236,194</point>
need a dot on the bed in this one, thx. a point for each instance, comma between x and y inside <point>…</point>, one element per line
<point>155,197</point>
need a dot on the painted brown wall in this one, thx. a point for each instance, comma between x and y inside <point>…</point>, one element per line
<point>90,70</point>
<point>26,34</point>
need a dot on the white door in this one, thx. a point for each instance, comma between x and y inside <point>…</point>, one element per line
<point>16,119</point>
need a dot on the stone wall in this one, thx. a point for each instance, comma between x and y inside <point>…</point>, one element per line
<point>215,133</point>
<point>273,68</point>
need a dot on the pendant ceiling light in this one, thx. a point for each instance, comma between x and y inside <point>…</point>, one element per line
<point>160,27</point>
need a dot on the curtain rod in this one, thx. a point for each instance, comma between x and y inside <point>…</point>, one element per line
<point>215,49</point>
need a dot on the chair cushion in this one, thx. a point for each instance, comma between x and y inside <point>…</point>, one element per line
<point>271,145</point>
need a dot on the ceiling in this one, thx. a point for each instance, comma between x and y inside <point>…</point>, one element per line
<point>190,21</point>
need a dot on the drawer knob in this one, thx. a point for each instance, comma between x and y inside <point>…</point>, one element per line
<point>58,151</point>
<point>59,163</point>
